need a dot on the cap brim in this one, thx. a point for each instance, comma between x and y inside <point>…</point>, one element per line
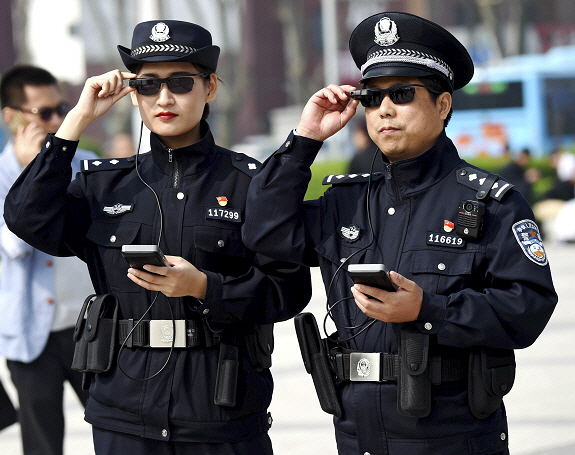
<point>207,57</point>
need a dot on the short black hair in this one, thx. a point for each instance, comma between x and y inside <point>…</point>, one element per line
<point>438,85</point>
<point>13,82</point>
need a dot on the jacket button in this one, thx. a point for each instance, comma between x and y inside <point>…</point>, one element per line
<point>221,243</point>
<point>48,145</point>
<point>239,157</point>
<point>428,326</point>
<point>181,196</point>
<point>64,148</point>
<point>391,211</point>
<point>49,263</point>
<point>164,433</point>
<point>441,266</point>
<point>503,436</point>
<point>50,300</point>
<point>288,143</point>
<point>206,311</point>
<point>113,239</point>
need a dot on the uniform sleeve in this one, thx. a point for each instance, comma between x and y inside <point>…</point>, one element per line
<point>279,223</point>
<point>42,207</point>
<point>516,297</point>
<point>271,291</point>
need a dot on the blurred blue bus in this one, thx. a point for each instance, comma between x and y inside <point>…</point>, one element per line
<point>525,101</point>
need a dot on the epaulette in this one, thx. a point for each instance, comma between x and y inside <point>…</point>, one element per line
<point>340,179</point>
<point>487,185</point>
<point>245,163</point>
<point>106,164</point>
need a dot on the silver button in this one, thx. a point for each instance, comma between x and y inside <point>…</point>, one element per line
<point>180,196</point>
<point>428,326</point>
<point>441,266</point>
<point>164,432</point>
<point>503,436</point>
<point>48,145</point>
<point>113,239</point>
<point>391,211</point>
<point>288,143</point>
<point>206,311</point>
<point>221,243</point>
<point>366,453</point>
<point>64,148</point>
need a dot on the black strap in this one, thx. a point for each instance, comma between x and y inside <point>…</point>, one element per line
<point>442,369</point>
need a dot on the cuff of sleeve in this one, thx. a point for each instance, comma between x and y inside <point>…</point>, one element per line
<point>300,148</point>
<point>210,304</point>
<point>53,141</point>
<point>432,313</point>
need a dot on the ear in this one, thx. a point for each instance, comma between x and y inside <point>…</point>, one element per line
<point>444,104</point>
<point>134,98</point>
<point>8,113</point>
<point>212,88</point>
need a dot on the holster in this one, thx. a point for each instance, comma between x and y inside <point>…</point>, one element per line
<point>227,375</point>
<point>413,382</point>
<point>315,358</point>
<point>491,376</point>
<point>95,334</point>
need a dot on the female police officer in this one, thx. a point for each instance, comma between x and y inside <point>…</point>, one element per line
<point>208,389</point>
<point>473,277</point>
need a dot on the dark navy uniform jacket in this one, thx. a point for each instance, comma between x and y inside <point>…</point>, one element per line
<point>108,206</point>
<point>493,292</point>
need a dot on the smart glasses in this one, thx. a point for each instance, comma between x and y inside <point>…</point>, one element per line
<point>176,84</point>
<point>399,94</point>
<point>46,113</point>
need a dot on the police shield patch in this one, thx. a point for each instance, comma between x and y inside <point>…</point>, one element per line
<point>527,234</point>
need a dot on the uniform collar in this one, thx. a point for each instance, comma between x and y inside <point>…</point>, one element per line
<point>191,159</point>
<point>418,173</point>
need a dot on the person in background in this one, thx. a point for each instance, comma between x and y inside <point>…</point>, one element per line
<point>40,295</point>
<point>470,278</point>
<point>205,387</point>
<point>517,173</point>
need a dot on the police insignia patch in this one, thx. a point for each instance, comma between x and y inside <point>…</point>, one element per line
<point>118,209</point>
<point>160,33</point>
<point>350,233</point>
<point>386,32</point>
<point>527,234</point>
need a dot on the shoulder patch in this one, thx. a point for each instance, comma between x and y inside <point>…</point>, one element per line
<point>245,163</point>
<point>527,235</point>
<point>106,164</point>
<point>479,181</point>
<point>340,179</point>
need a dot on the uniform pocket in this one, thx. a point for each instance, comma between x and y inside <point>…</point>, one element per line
<point>110,237</point>
<point>440,271</point>
<point>220,250</point>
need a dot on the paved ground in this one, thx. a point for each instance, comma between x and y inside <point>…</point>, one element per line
<point>541,406</point>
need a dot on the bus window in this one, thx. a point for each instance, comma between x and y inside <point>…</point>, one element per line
<point>488,95</point>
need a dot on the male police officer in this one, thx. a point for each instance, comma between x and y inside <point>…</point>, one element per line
<point>421,370</point>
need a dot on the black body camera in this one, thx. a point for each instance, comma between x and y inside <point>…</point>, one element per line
<point>470,219</point>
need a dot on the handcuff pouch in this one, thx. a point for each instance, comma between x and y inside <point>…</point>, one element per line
<point>413,382</point>
<point>95,334</point>
<point>491,376</point>
<point>227,375</point>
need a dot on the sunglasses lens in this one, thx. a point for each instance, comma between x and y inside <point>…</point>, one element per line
<point>402,95</point>
<point>180,85</point>
<point>148,86</point>
<point>62,109</point>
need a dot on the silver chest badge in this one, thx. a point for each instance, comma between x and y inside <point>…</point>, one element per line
<point>386,32</point>
<point>160,33</point>
<point>118,209</point>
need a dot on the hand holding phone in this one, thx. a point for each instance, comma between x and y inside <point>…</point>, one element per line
<point>140,255</point>
<point>374,275</point>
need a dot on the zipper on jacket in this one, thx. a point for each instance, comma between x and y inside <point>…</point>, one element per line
<point>176,168</point>
<point>389,176</point>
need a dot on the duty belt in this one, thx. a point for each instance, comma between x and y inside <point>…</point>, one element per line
<point>384,367</point>
<point>159,333</point>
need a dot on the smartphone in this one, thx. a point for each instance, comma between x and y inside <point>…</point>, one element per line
<point>375,275</point>
<point>17,120</point>
<point>140,255</point>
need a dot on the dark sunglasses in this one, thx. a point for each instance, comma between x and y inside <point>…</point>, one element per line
<point>399,94</point>
<point>46,113</point>
<point>176,84</point>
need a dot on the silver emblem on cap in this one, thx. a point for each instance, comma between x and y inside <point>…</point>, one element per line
<point>160,33</point>
<point>386,32</point>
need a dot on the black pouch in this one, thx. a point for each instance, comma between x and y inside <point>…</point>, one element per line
<point>315,359</point>
<point>413,383</point>
<point>260,346</point>
<point>227,375</point>
<point>491,376</point>
<point>95,334</point>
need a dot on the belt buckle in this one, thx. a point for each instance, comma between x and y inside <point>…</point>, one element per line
<point>162,333</point>
<point>365,366</point>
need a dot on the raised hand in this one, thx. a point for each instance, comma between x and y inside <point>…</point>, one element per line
<point>327,112</point>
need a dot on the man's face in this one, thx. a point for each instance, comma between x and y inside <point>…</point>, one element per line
<point>40,97</point>
<point>404,131</point>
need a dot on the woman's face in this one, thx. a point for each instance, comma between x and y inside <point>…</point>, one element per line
<point>175,118</point>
